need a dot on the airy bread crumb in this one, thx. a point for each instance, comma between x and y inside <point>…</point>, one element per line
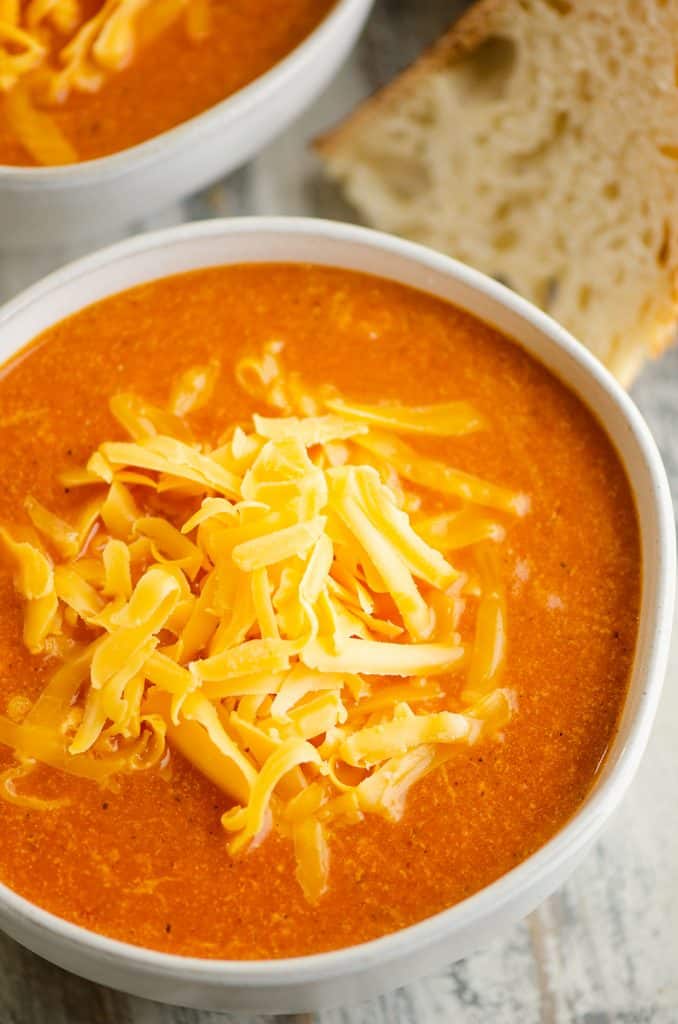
<point>538,141</point>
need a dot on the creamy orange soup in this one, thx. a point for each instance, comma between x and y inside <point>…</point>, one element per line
<point>172,64</point>
<point>145,859</point>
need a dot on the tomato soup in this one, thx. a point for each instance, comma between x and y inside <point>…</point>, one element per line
<point>528,485</point>
<point>175,63</point>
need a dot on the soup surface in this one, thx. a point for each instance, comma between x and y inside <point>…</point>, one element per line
<point>113,102</point>
<point>148,863</point>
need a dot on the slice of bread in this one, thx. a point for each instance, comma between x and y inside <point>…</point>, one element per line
<point>538,141</point>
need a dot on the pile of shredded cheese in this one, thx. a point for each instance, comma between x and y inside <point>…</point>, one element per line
<point>48,49</point>
<point>278,608</point>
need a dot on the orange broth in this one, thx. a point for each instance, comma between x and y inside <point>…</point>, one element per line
<point>173,79</point>
<point>148,864</point>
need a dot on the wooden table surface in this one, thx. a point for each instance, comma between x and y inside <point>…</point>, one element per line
<point>602,950</point>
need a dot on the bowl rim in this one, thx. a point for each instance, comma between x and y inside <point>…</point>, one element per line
<point>583,826</point>
<point>236,106</point>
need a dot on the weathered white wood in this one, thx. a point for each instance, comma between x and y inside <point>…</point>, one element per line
<point>603,950</point>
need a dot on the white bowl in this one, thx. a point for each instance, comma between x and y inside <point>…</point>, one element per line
<point>356,973</point>
<point>60,205</point>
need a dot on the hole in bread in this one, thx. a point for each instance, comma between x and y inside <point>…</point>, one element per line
<point>584,297</point>
<point>560,126</point>
<point>408,177</point>
<point>664,250</point>
<point>584,86</point>
<point>626,41</point>
<point>546,292</point>
<point>611,190</point>
<point>484,73</point>
<point>505,240</point>
<point>502,211</point>
<point>561,6</point>
<point>424,112</point>
<point>670,151</point>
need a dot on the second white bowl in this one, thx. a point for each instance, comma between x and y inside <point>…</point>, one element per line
<point>62,205</point>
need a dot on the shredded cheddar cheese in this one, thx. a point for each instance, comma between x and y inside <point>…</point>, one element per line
<point>267,606</point>
<point>49,49</point>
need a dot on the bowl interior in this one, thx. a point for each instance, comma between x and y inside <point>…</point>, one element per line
<point>265,240</point>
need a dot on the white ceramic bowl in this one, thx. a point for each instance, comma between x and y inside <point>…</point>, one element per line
<point>361,971</point>
<point>60,205</point>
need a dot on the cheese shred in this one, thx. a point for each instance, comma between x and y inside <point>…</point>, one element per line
<point>268,608</point>
<point>50,49</point>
